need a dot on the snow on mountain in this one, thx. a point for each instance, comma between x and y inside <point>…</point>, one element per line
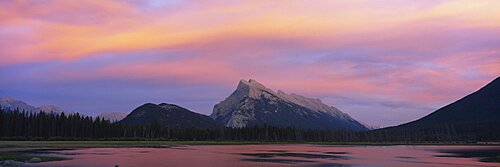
<point>50,108</point>
<point>245,89</point>
<point>113,116</point>
<point>255,89</point>
<point>10,103</point>
<point>254,104</point>
<point>312,104</point>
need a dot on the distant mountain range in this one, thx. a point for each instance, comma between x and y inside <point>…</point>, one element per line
<point>476,113</point>
<point>113,116</point>
<point>169,115</point>
<point>12,104</point>
<point>253,104</point>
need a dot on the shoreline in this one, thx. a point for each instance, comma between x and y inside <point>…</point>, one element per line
<point>159,144</point>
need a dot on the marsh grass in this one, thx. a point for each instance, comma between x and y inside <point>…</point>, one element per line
<point>23,157</point>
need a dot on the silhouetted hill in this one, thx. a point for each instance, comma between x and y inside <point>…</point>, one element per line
<point>476,115</point>
<point>169,115</point>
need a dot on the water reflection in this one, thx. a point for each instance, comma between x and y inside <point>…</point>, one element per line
<point>281,155</point>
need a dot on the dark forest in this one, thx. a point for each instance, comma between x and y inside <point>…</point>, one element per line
<point>20,125</point>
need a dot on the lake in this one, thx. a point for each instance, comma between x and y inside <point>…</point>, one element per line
<point>280,155</point>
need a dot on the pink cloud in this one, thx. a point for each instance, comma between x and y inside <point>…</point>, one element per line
<point>72,30</point>
<point>421,53</point>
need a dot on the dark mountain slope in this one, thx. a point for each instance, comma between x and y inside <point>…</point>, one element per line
<point>170,115</point>
<point>475,117</point>
<point>482,106</point>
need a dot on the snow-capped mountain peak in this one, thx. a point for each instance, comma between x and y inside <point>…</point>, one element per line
<point>253,89</point>
<point>10,103</point>
<point>313,104</point>
<point>113,116</point>
<point>254,104</point>
<point>50,108</point>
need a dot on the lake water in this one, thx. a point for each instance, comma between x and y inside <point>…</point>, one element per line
<point>279,155</point>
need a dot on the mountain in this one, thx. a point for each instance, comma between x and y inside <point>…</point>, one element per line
<point>50,108</point>
<point>476,113</point>
<point>253,104</point>
<point>170,115</point>
<point>12,104</point>
<point>113,116</point>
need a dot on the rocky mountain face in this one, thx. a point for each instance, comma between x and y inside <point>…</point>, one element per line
<point>253,104</point>
<point>10,103</point>
<point>169,115</point>
<point>50,108</point>
<point>112,116</point>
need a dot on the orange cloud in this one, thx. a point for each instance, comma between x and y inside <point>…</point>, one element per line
<point>67,30</point>
<point>188,71</point>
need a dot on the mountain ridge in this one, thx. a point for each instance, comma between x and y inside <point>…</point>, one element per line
<point>169,115</point>
<point>485,101</point>
<point>254,104</point>
<point>10,103</point>
<point>476,114</point>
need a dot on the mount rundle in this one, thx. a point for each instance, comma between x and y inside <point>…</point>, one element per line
<point>253,104</point>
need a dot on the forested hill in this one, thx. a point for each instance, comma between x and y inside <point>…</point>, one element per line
<point>169,115</point>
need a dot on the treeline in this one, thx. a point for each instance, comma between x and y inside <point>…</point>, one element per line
<point>42,125</point>
<point>20,125</point>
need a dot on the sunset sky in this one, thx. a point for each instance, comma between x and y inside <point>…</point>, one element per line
<point>382,62</point>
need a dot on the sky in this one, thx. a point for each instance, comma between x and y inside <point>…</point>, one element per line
<point>382,62</point>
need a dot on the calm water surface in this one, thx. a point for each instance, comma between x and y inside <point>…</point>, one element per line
<point>279,155</point>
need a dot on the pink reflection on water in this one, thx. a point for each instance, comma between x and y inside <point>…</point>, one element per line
<point>269,155</point>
